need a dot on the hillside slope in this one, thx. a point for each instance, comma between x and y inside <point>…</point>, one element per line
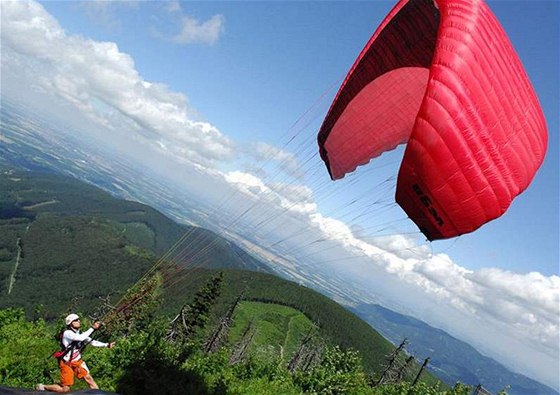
<point>36,193</point>
<point>57,235</point>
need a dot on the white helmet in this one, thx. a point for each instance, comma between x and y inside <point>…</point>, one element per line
<point>70,318</point>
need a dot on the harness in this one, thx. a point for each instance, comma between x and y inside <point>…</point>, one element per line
<point>74,345</point>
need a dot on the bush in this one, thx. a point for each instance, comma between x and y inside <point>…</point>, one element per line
<point>339,372</point>
<point>24,350</point>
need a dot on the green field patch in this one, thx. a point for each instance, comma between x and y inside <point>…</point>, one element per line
<point>278,329</point>
<point>140,252</point>
<point>140,234</point>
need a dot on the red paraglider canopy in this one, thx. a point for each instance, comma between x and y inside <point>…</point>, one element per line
<point>442,77</point>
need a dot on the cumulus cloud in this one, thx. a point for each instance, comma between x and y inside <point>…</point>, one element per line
<point>194,31</point>
<point>525,307</point>
<point>285,161</point>
<point>247,182</point>
<point>101,81</point>
<point>186,29</point>
<point>286,198</point>
<point>529,303</point>
<point>296,193</point>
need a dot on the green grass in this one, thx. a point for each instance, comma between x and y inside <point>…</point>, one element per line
<point>278,327</point>
<point>140,234</point>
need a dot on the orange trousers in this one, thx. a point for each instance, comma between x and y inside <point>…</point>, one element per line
<point>70,369</point>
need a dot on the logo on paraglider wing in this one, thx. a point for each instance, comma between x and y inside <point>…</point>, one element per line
<point>427,202</point>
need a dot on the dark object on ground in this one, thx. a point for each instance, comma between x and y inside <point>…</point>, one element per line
<point>22,391</point>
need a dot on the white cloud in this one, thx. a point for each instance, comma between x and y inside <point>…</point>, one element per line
<point>246,182</point>
<point>284,198</point>
<point>102,82</point>
<point>190,29</point>
<point>194,31</point>
<point>285,161</point>
<point>527,302</point>
<point>294,192</point>
<point>173,6</point>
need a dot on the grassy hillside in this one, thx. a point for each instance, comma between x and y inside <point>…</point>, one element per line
<point>278,329</point>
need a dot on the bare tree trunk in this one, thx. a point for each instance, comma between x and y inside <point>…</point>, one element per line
<point>295,361</point>
<point>387,375</point>
<point>404,370</point>
<point>241,350</point>
<point>421,370</point>
<point>219,335</point>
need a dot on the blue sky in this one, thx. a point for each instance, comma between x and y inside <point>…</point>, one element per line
<point>209,87</point>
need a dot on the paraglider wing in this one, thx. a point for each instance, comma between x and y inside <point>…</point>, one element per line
<point>443,78</point>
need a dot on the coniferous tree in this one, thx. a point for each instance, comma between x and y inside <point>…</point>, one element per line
<point>195,314</point>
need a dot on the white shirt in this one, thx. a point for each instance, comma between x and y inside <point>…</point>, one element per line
<point>70,336</point>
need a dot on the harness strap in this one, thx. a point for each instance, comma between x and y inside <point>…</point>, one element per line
<point>80,345</point>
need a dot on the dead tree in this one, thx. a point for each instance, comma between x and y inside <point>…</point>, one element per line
<point>401,375</point>
<point>480,390</point>
<point>220,333</point>
<point>389,374</point>
<point>178,328</point>
<point>312,357</point>
<point>240,350</point>
<point>426,361</point>
<point>103,309</point>
<point>301,352</point>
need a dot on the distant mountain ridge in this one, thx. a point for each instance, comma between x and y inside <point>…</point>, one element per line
<point>451,359</point>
